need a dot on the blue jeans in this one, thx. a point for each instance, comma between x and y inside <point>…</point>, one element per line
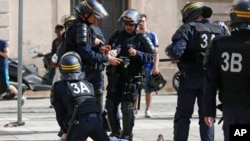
<point>148,74</point>
<point>4,78</point>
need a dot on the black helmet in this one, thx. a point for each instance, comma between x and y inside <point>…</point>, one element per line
<point>240,15</point>
<point>130,16</point>
<point>194,9</point>
<point>91,7</point>
<point>70,66</point>
<point>156,82</point>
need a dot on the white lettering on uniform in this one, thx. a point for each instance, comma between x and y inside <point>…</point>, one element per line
<point>231,63</point>
<point>84,88</point>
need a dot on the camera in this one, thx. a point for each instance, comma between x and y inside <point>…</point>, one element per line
<point>125,61</point>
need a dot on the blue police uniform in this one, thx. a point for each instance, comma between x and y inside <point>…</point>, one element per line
<point>124,80</point>
<point>79,38</point>
<point>227,70</point>
<point>189,44</point>
<point>65,95</point>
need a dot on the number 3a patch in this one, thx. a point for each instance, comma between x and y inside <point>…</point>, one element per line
<point>79,88</point>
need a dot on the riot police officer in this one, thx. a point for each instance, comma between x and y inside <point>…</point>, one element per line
<point>75,104</point>
<point>124,80</point>
<point>227,70</point>
<point>188,46</point>
<point>81,38</point>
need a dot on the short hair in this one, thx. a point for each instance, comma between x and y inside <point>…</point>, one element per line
<point>59,26</point>
<point>143,15</point>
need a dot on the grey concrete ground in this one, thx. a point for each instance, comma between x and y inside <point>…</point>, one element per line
<point>40,121</point>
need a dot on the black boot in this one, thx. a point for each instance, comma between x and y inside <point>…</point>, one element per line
<point>114,124</point>
<point>127,137</point>
<point>128,120</point>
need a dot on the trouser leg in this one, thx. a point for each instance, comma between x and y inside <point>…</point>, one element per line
<point>99,99</point>
<point>127,119</point>
<point>206,133</point>
<point>114,120</point>
<point>184,111</point>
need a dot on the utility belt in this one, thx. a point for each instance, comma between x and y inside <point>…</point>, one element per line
<point>91,115</point>
<point>94,67</point>
<point>132,88</point>
<point>188,74</point>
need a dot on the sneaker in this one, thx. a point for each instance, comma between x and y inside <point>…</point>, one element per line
<point>147,114</point>
<point>24,98</point>
<point>135,113</point>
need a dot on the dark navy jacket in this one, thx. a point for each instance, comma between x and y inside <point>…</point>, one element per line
<point>86,52</point>
<point>184,41</point>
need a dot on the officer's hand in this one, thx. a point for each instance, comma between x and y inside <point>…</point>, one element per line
<point>209,121</point>
<point>98,42</point>
<point>175,61</point>
<point>63,137</point>
<point>114,61</point>
<point>132,51</point>
<point>155,71</point>
<point>105,49</point>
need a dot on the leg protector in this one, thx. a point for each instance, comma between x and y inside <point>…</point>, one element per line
<point>127,119</point>
<point>99,98</point>
<point>114,120</point>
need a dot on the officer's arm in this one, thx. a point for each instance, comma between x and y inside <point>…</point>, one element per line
<point>211,83</point>
<point>179,42</point>
<point>84,45</point>
<point>53,48</point>
<point>58,107</point>
<point>146,54</point>
<point>144,57</point>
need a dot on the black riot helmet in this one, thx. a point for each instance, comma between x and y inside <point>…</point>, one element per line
<point>156,82</point>
<point>70,66</point>
<point>240,15</point>
<point>91,7</point>
<point>193,10</point>
<point>130,16</point>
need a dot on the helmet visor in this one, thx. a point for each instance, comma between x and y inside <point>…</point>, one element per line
<point>130,16</point>
<point>98,11</point>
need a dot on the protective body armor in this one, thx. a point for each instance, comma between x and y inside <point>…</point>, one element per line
<point>233,58</point>
<point>123,41</point>
<point>197,35</point>
<point>197,47</point>
<point>82,34</point>
<point>83,95</point>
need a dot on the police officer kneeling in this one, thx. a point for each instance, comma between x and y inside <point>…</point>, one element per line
<point>77,111</point>
<point>228,70</point>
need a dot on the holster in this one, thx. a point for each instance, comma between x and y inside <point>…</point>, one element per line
<point>131,91</point>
